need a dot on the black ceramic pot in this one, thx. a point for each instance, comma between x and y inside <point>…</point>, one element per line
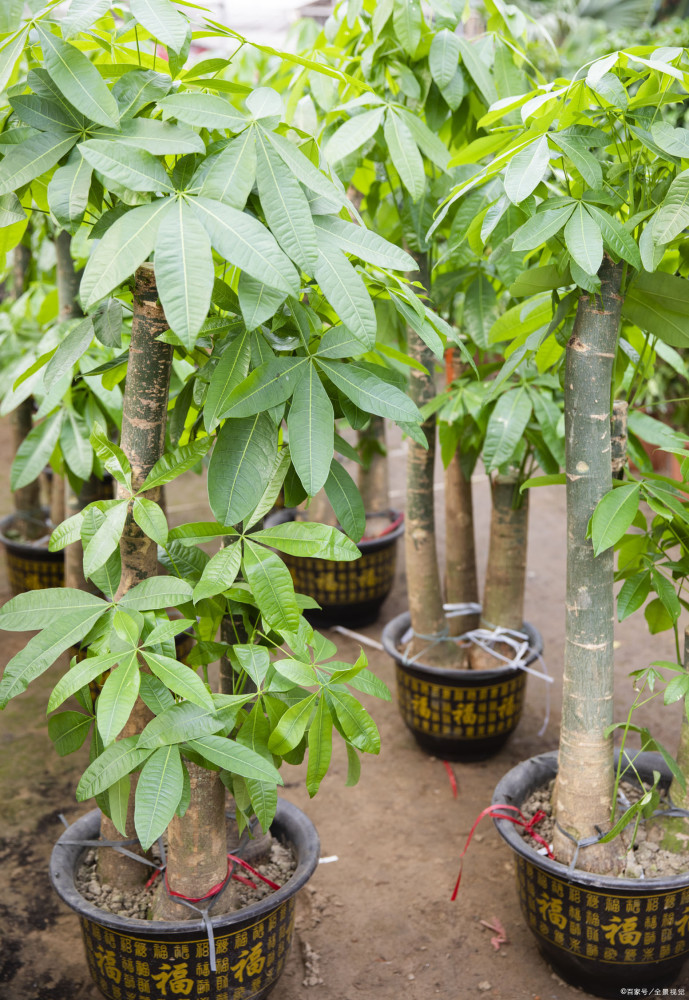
<point>131,959</point>
<point>601,933</point>
<point>457,714</point>
<point>30,566</point>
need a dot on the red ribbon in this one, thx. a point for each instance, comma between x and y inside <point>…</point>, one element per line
<point>519,820</point>
<point>221,885</point>
<point>451,776</point>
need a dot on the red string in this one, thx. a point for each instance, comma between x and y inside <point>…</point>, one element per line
<point>451,776</point>
<point>240,861</point>
<point>386,531</point>
<point>221,885</point>
<point>527,824</point>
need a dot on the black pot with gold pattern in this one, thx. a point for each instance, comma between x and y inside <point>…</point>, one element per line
<point>458,714</point>
<point>30,565</point>
<point>130,959</point>
<point>610,936</point>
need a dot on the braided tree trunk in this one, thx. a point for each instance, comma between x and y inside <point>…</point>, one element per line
<point>583,794</point>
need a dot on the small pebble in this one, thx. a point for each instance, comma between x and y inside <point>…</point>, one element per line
<point>484,986</point>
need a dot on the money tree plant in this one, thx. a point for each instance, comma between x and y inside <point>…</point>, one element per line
<point>249,283</point>
<point>601,176</point>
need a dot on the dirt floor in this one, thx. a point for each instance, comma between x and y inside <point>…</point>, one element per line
<point>376,920</point>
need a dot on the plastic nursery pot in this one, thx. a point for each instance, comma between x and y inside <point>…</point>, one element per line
<point>458,714</point>
<point>151,960</point>
<point>350,593</point>
<point>599,932</point>
<point>30,566</point>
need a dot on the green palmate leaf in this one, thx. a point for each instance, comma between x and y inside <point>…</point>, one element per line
<point>247,244</point>
<point>151,520</point>
<point>659,304</point>
<point>138,88</point>
<point>271,586</point>
<point>230,372</point>
<point>303,168</point>
<point>184,271</point>
<point>346,501</point>
<point>478,70</point>
<point>155,137</point>
<point>118,803</point>
<point>117,698</point>
<point>311,429</point>
<point>666,594</point>
<point>353,134</point>
<point>257,301</point>
<point>35,450</point>
<point>106,539</point>
<point>66,533</point>
<point>357,725</point>
<point>584,240</point>
<point>43,649</point>
<point>31,158</point>
<point>208,110</point>
<point>156,594</point>
<point>369,392</point>
<point>79,675</point>
<point>339,342</point>
<point>82,14</point>
<point>163,21</point>
<point>42,113</point>
<point>174,463</point>
<point>364,243</point>
<point>12,50</point>
<point>297,672</point>
<point>404,154</point>
<point>116,760</point>
<point>235,758</point>
<point>78,79</point>
<point>291,727</point>
<point>74,442</point>
<point>125,245</point>
<point>617,239</point>
<point>674,141</point>
<point>633,594</point>
<point>11,210</point>
<point>480,309</point>
<point>541,227</point>
<point>155,695</point>
<point>232,174</point>
<point>68,353</point>
<point>267,386</point>
<point>254,660</point>
<point>125,165</point>
<point>40,609</point>
<point>320,747</point>
<point>158,792</point>
<point>673,215</point>
<point>241,466</point>
<point>68,190</point>
<point>347,293</point>
<point>179,723</point>
<point>585,162</point>
<point>179,678</point>
<point>220,573</point>
<point>284,203</point>
<point>506,427</point>
<point>309,540</point>
<point>68,731</point>
<point>613,515</point>
<point>112,456</point>
<point>443,58</point>
<point>526,170</point>
<point>407,20</point>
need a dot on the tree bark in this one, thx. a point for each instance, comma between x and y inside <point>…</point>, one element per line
<point>618,437</point>
<point>373,476</point>
<point>27,499</point>
<point>583,793</point>
<point>677,827</point>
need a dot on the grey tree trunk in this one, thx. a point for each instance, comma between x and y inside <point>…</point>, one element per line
<point>584,786</point>
<point>677,828</point>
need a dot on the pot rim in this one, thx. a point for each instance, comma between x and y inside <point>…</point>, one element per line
<point>524,777</point>
<point>397,626</point>
<point>289,820</point>
<point>7,522</point>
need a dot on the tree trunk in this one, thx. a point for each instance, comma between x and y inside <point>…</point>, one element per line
<point>196,849</point>
<point>677,827</point>
<point>373,475</point>
<point>144,420</point>
<point>583,794</point>
<point>423,577</point>
<point>461,579</point>
<point>27,499</point>
<point>618,437</point>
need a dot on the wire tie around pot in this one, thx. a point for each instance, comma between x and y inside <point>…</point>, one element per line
<point>519,820</point>
<point>586,842</point>
<point>117,845</point>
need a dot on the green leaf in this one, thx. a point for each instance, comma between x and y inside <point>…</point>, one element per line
<point>68,190</point>
<point>112,456</point>
<point>267,386</point>
<point>443,58</point>
<point>271,586</point>
<point>78,79</point>
<point>207,110</point>
<point>659,304</point>
<point>126,244</point>
<point>616,237</point>
<point>175,463</point>
<point>158,792</point>
<point>345,499</point>
<point>118,759</point>
<point>79,675</point>
<point>35,450</point>
<point>478,70</point>
<point>258,302</point>
<point>633,594</point>
<point>11,210</point>
<point>247,244</point>
<point>666,594</point>
<point>585,162</point>
<point>155,137</point>
<point>184,272</point>
<point>42,113</point>
<point>236,759</point>
<point>151,520</point>
<point>657,617</point>
<point>180,679</point>
<point>138,88</point>
<point>68,731</point>
<point>164,22</point>
<point>291,727</point>
<point>157,593</point>
<point>83,14</point>
<point>353,134</point>
<point>68,353</point>
<point>131,168</point>
<point>302,167</point>
<point>155,695</point>
<point>181,722</point>
<point>347,293</point>
<point>254,660</point>
<point>674,141</point>
<point>526,170</point>
<point>31,158</point>
<point>106,539</point>
<point>407,20</point>
<point>540,227</point>
<point>118,802</point>
<point>357,725</point>
<point>320,748</point>
<point>232,174</point>
<point>77,452</point>
<point>285,206</point>
<point>220,573</point>
<point>364,243</point>
<point>117,698</point>
<point>480,310</point>
<point>230,372</point>
<point>308,540</point>
<point>405,155</point>
<point>241,466</point>
<point>584,240</point>
<point>613,515</point>
<point>311,428</point>
<point>506,427</point>
<point>673,215</point>
<point>370,393</point>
